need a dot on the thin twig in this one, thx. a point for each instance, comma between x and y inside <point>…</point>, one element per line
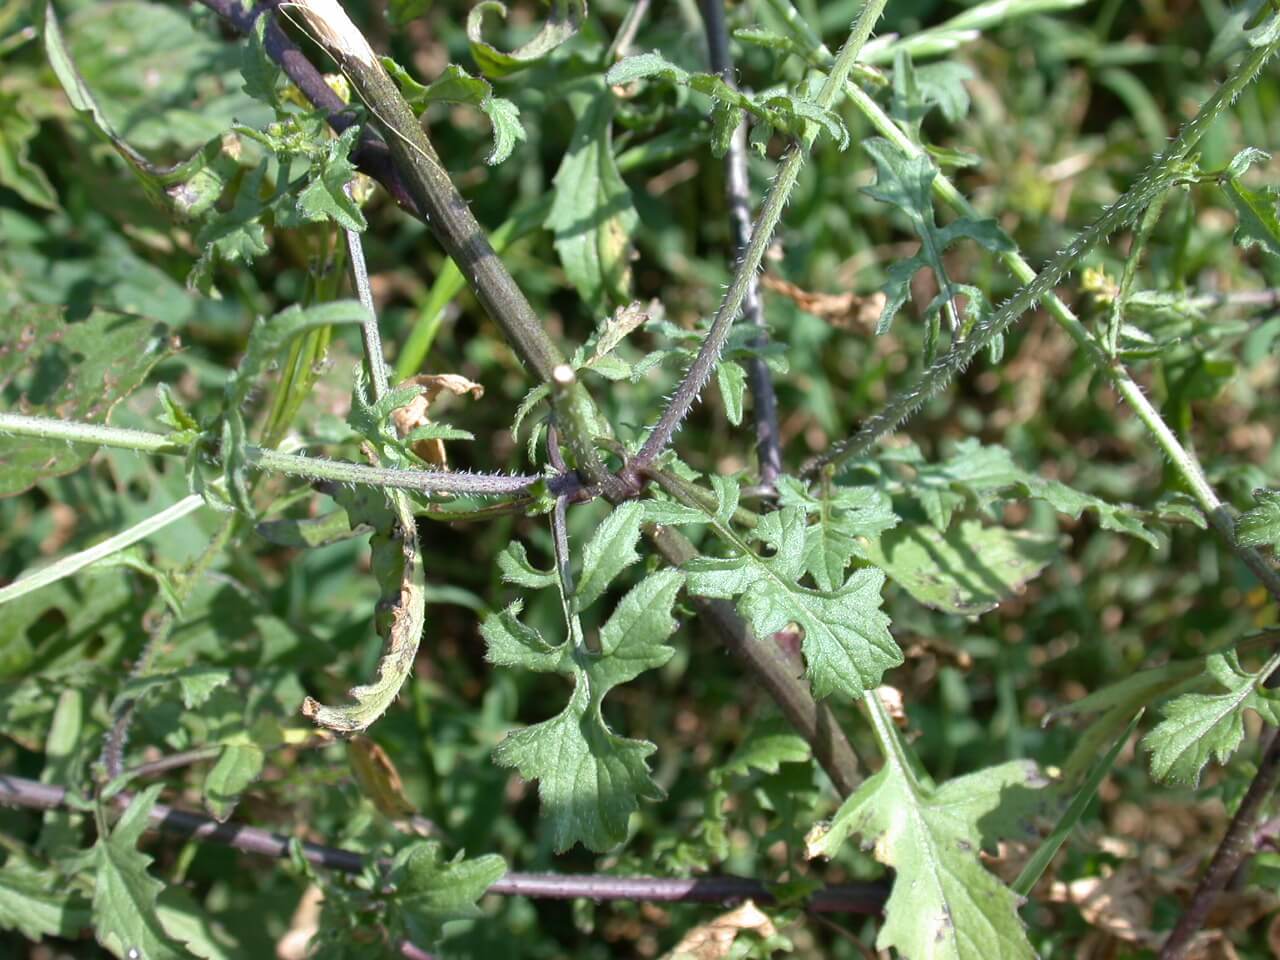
<point>627,30</point>
<point>865,898</point>
<point>738,192</point>
<point>369,328</point>
<point>1237,844</point>
<point>704,364</point>
<point>371,156</point>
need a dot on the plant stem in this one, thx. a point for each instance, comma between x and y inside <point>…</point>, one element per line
<point>292,464</point>
<point>369,328</point>
<point>444,209</point>
<point>850,898</point>
<point>1237,844</point>
<point>762,234</point>
<point>78,561</point>
<point>1157,178</point>
<point>738,192</point>
<point>780,671</point>
<point>1183,461</point>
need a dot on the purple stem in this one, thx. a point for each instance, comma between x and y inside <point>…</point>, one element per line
<point>738,191</point>
<point>854,898</point>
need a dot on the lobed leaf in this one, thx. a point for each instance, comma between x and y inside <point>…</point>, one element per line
<point>944,905</point>
<point>847,644</point>
<point>590,781</point>
<point>1198,727</point>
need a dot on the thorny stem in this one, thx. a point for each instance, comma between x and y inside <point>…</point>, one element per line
<point>1237,844</point>
<point>737,188</point>
<point>1158,177</point>
<point>1184,462</point>
<point>292,464</point>
<point>762,234</point>
<point>850,898</point>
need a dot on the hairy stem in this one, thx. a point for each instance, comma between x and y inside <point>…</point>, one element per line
<point>737,189</point>
<point>1157,178</point>
<point>1236,845</point>
<point>1183,461</point>
<point>761,235</point>
<point>292,464</point>
<point>850,898</point>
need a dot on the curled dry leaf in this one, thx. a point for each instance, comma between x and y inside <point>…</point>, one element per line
<point>1116,903</point>
<point>715,939</point>
<point>378,778</point>
<point>414,414</point>
<point>848,311</point>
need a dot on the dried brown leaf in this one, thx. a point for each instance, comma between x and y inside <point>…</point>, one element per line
<point>715,939</point>
<point>849,311</point>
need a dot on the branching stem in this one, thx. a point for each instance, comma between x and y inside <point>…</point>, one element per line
<point>1158,177</point>
<point>761,236</point>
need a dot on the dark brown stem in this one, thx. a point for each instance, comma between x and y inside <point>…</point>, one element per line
<point>780,670</point>
<point>738,191</point>
<point>1238,843</point>
<point>853,898</point>
<point>372,156</point>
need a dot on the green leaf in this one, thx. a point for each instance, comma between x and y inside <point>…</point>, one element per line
<point>846,519</point>
<point>732,381</point>
<point>590,781</point>
<point>592,215</point>
<point>237,766</point>
<point>945,905</point>
<point>1200,726</point>
<point>784,111</point>
<point>429,891</point>
<point>969,569</point>
<point>846,637</point>
<point>611,549</point>
<point>70,371</point>
<point>517,568</point>
<point>455,85</point>
<point>1260,527</point>
<point>189,188</point>
<point>125,917</point>
<point>37,904</point>
<point>325,196</point>
<point>978,473</point>
<point>906,182</point>
<point>565,20</point>
<point>17,172</point>
<point>1256,211</point>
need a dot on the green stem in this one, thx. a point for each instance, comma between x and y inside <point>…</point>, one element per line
<point>761,237</point>
<point>1162,173</point>
<point>1183,461</point>
<point>78,561</point>
<point>292,464</point>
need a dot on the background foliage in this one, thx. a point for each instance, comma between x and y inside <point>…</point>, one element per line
<point>1095,566</point>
